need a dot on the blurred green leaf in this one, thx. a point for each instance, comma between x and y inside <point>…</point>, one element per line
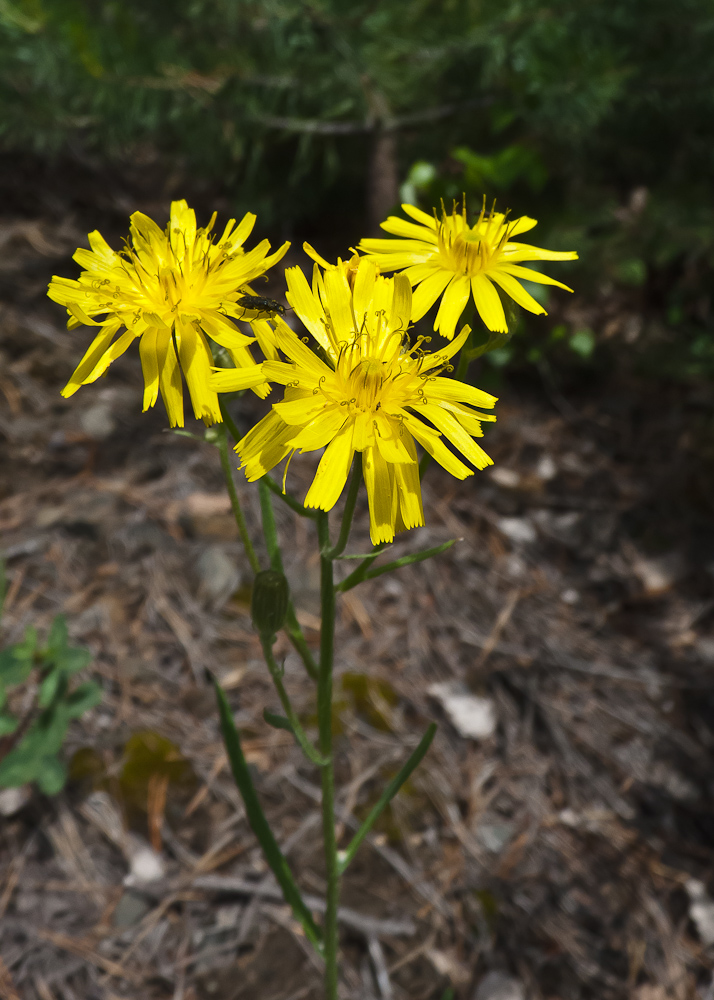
<point>582,343</point>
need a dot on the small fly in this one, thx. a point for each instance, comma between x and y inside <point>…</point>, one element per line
<point>260,304</point>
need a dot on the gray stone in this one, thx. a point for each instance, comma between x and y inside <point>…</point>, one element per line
<point>218,576</point>
<point>130,910</point>
<point>499,986</point>
<point>98,421</point>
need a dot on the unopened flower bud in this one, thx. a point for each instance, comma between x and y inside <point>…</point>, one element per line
<point>269,605</point>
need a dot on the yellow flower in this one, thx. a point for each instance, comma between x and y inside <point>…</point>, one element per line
<point>460,260</point>
<point>373,393</point>
<point>170,289</point>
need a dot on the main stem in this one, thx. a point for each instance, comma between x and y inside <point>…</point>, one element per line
<point>324,717</point>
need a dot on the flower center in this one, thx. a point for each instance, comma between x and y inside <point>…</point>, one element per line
<point>365,384</point>
<point>470,249</point>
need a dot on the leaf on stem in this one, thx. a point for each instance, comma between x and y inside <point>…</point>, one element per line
<point>278,721</point>
<point>387,795</point>
<point>259,824</point>
<point>363,573</point>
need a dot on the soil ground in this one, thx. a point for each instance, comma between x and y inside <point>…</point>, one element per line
<point>569,850</point>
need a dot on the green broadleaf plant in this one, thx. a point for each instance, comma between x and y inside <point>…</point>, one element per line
<point>30,744</point>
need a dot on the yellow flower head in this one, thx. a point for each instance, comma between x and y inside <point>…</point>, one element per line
<point>371,392</point>
<point>169,288</point>
<point>459,260</point>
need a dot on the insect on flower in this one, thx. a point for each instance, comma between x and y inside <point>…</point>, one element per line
<point>260,304</point>
<point>171,289</point>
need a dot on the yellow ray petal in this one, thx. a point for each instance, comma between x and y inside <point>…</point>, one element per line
<point>419,216</point>
<point>489,305</point>
<point>530,274</point>
<point>452,305</point>
<point>235,379</point>
<point>378,481</point>
<point>459,392</point>
<point>170,385</point>
<point>517,292</point>
<point>306,306</point>
<point>523,251</point>
<point>401,304</point>
<point>400,227</point>
<point>332,471</point>
<point>406,478</point>
<point>96,349</point>
<point>196,363</point>
<point>320,431</point>
<point>453,430</point>
<point>114,352</point>
<point>426,294</point>
<point>149,366</point>
<point>389,437</point>
<point>431,442</point>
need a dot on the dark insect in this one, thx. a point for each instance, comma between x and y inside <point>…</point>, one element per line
<point>259,304</point>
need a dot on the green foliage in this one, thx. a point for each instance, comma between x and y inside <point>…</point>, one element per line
<point>31,739</point>
<point>596,118</point>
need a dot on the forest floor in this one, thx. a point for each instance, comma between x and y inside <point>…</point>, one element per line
<point>565,853</point>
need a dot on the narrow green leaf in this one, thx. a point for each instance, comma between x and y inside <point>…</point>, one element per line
<point>353,579</point>
<point>49,688</point>
<point>387,795</point>
<point>358,575</point>
<point>277,721</point>
<point>259,824</point>
<point>298,732</point>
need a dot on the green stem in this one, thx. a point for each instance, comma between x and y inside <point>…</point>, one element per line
<point>292,503</point>
<point>270,531</point>
<point>464,359</point>
<point>292,626</point>
<point>299,733</point>
<point>355,480</point>
<point>324,717</point>
<point>235,502</point>
<point>229,421</point>
<point>424,464</point>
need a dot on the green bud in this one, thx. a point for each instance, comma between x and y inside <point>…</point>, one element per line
<point>211,434</point>
<point>269,605</point>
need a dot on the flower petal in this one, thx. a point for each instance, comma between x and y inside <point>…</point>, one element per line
<point>96,349</point>
<point>489,305</point>
<point>517,292</point>
<point>196,363</point>
<point>426,294</point>
<point>458,392</point>
<point>400,227</point>
<point>419,216</point>
<point>149,366</point>
<point>332,471</point>
<point>452,305</point>
<point>406,478</point>
<point>380,495</point>
<point>170,385</point>
<point>430,440</point>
